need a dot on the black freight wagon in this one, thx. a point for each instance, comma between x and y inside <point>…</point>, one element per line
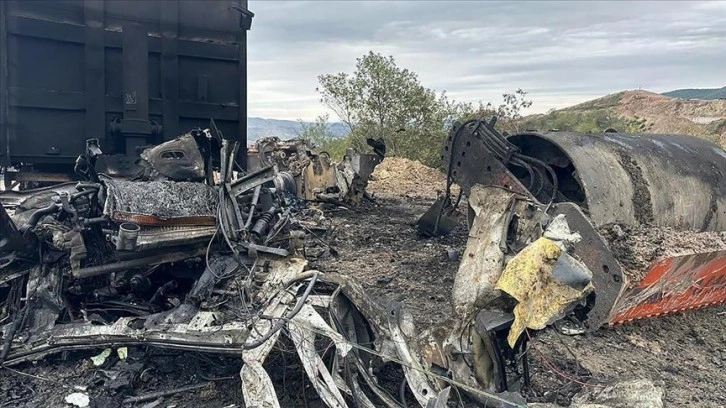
<point>127,72</point>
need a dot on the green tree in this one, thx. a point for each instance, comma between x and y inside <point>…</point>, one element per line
<point>381,100</point>
<point>508,113</point>
<point>592,121</point>
<point>319,135</point>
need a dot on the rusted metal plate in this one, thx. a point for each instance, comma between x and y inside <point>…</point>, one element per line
<point>471,163</point>
<point>675,284</point>
<point>607,276</point>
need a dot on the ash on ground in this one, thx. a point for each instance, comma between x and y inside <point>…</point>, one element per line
<point>636,248</point>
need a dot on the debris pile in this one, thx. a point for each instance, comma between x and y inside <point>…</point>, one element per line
<point>189,258</point>
<point>172,259</point>
<point>312,175</point>
<point>407,178</point>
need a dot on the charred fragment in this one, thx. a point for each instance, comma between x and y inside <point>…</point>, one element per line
<point>620,178</point>
<point>313,175</point>
<point>166,262</point>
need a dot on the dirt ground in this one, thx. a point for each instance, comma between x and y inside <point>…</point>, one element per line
<point>684,353</point>
<point>637,247</point>
<point>378,244</point>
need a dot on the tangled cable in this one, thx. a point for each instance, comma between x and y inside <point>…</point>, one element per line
<point>505,152</point>
<point>508,153</point>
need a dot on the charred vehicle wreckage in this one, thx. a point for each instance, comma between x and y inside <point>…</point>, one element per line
<point>190,255</point>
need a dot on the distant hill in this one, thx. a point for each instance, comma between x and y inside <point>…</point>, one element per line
<point>284,129</point>
<point>639,111</point>
<point>705,94</point>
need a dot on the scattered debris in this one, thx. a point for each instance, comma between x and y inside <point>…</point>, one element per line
<point>625,394</point>
<point>101,358</point>
<point>313,175</point>
<point>159,394</point>
<point>78,399</point>
<point>452,254</point>
<point>636,248</point>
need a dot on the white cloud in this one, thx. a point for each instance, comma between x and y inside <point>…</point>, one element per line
<point>561,52</point>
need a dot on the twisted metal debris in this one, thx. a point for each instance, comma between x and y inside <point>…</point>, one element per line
<point>203,258</point>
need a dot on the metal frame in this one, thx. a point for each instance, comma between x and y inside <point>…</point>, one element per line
<point>4,106</point>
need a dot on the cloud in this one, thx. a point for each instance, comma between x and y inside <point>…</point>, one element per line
<point>561,52</point>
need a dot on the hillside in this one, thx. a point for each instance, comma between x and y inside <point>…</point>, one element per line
<point>627,111</point>
<point>639,111</point>
<point>284,129</point>
<point>706,94</point>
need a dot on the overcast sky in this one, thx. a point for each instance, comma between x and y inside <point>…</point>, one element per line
<point>562,53</point>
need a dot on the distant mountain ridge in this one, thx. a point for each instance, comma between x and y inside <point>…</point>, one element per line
<point>639,110</point>
<point>703,94</point>
<point>284,129</point>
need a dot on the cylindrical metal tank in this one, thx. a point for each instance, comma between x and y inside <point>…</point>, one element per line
<point>666,180</point>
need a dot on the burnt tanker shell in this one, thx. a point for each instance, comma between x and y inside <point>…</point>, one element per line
<point>666,180</point>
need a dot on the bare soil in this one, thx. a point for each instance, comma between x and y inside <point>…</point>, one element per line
<point>380,247</point>
<point>661,113</point>
<point>684,353</point>
<point>670,115</point>
<point>636,248</point>
<point>404,178</point>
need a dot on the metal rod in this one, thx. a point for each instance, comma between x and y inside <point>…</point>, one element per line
<point>255,198</point>
<point>159,394</point>
<point>252,180</point>
<point>135,263</point>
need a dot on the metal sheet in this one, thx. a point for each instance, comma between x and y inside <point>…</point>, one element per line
<point>471,163</point>
<point>483,258</point>
<point>592,250</point>
<point>170,68</point>
<point>4,125</point>
<point>675,284</point>
<point>241,133</point>
<point>304,338</point>
<point>49,107</point>
<point>95,72</point>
